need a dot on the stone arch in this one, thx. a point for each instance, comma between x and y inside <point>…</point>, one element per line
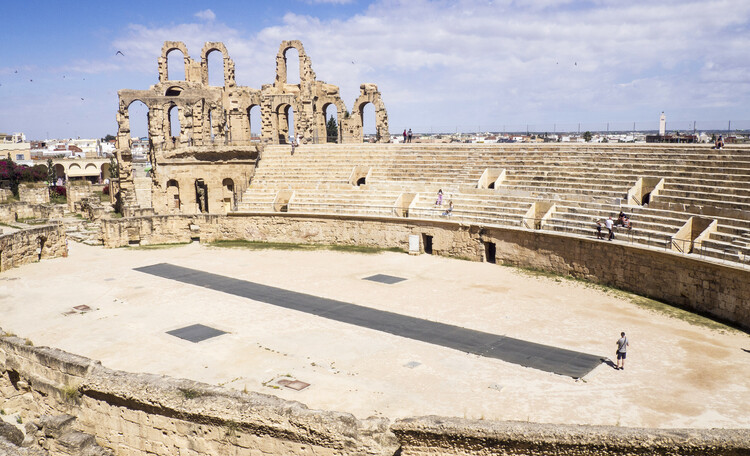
<point>168,47</point>
<point>229,193</point>
<point>124,129</point>
<point>368,94</point>
<point>306,74</point>
<point>60,172</point>
<point>106,172</point>
<point>173,91</point>
<point>173,194</point>
<point>173,112</point>
<point>216,46</point>
<point>250,124</point>
<point>282,115</point>
<point>321,117</point>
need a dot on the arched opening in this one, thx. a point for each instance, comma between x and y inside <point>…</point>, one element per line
<point>215,68</point>
<point>254,118</point>
<point>292,66</point>
<point>228,194</point>
<point>174,124</point>
<point>173,91</point>
<point>106,174</point>
<point>201,195</point>
<point>367,111</point>
<point>285,122</point>
<point>138,117</point>
<point>173,194</point>
<point>331,114</point>
<point>361,181</point>
<point>175,65</point>
<point>60,175</point>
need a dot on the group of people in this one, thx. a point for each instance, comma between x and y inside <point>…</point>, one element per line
<point>622,220</point>
<point>407,136</point>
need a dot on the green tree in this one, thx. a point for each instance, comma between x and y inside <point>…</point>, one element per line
<point>108,138</point>
<point>50,172</point>
<point>587,136</point>
<point>332,130</point>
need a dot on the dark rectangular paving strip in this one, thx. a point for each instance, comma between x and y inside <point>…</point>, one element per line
<point>383,278</point>
<point>196,333</point>
<point>528,354</point>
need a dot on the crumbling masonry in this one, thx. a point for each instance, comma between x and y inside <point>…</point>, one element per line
<point>208,164</point>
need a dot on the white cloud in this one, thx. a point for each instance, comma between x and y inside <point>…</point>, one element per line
<point>206,15</point>
<point>467,63</point>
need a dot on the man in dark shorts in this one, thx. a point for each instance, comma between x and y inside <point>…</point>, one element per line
<point>622,349</point>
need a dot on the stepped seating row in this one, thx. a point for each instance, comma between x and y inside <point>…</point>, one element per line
<point>585,182</point>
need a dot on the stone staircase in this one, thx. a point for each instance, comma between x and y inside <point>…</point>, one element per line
<point>585,182</point>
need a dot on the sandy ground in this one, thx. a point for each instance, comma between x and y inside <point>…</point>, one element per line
<point>677,374</point>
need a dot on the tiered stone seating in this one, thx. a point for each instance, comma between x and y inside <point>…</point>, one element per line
<point>585,182</point>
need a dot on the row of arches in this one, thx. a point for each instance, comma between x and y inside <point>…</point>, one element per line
<point>177,198</point>
<point>219,127</point>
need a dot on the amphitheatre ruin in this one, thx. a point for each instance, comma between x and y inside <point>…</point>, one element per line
<point>289,295</point>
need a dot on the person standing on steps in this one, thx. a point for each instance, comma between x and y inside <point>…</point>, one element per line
<point>404,135</point>
<point>410,135</point>
<point>610,226</point>
<point>622,351</point>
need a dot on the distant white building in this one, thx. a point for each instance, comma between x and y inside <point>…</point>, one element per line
<point>662,124</point>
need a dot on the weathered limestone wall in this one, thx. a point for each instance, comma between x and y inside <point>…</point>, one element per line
<point>714,289</point>
<point>33,244</point>
<point>76,191</point>
<point>18,211</point>
<point>433,436</point>
<point>33,193</point>
<point>139,414</point>
<point>5,195</point>
<point>145,414</point>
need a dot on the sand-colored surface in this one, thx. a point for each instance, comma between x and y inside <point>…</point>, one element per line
<point>677,374</point>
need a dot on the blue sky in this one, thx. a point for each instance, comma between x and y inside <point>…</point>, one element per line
<point>441,65</point>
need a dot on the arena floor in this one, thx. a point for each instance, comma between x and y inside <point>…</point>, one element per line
<point>677,374</point>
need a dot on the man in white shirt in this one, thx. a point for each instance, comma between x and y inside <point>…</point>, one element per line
<point>610,226</point>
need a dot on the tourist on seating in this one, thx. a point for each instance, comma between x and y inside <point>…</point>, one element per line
<point>449,210</point>
<point>611,227</point>
<point>626,222</point>
<point>409,134</point>
<point>599,234</point>
<point>439,200</point>
<point>719,142</point>
<point>404,135</point>
<point>621,219</point>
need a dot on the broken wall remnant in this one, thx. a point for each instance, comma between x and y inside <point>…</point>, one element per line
<point>197,131</point>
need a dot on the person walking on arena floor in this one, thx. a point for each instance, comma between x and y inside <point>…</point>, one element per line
<point>622,351</point>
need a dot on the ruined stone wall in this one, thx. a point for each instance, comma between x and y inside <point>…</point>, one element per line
<point>715,289</point>
<point>76,191</point>
<point>140,414</point>
<point>144,414</point>
<point>433,436</point>
<point>33,193</point>
<point>19,211</point>
<point>31,245</point>
<point>5,195</point>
